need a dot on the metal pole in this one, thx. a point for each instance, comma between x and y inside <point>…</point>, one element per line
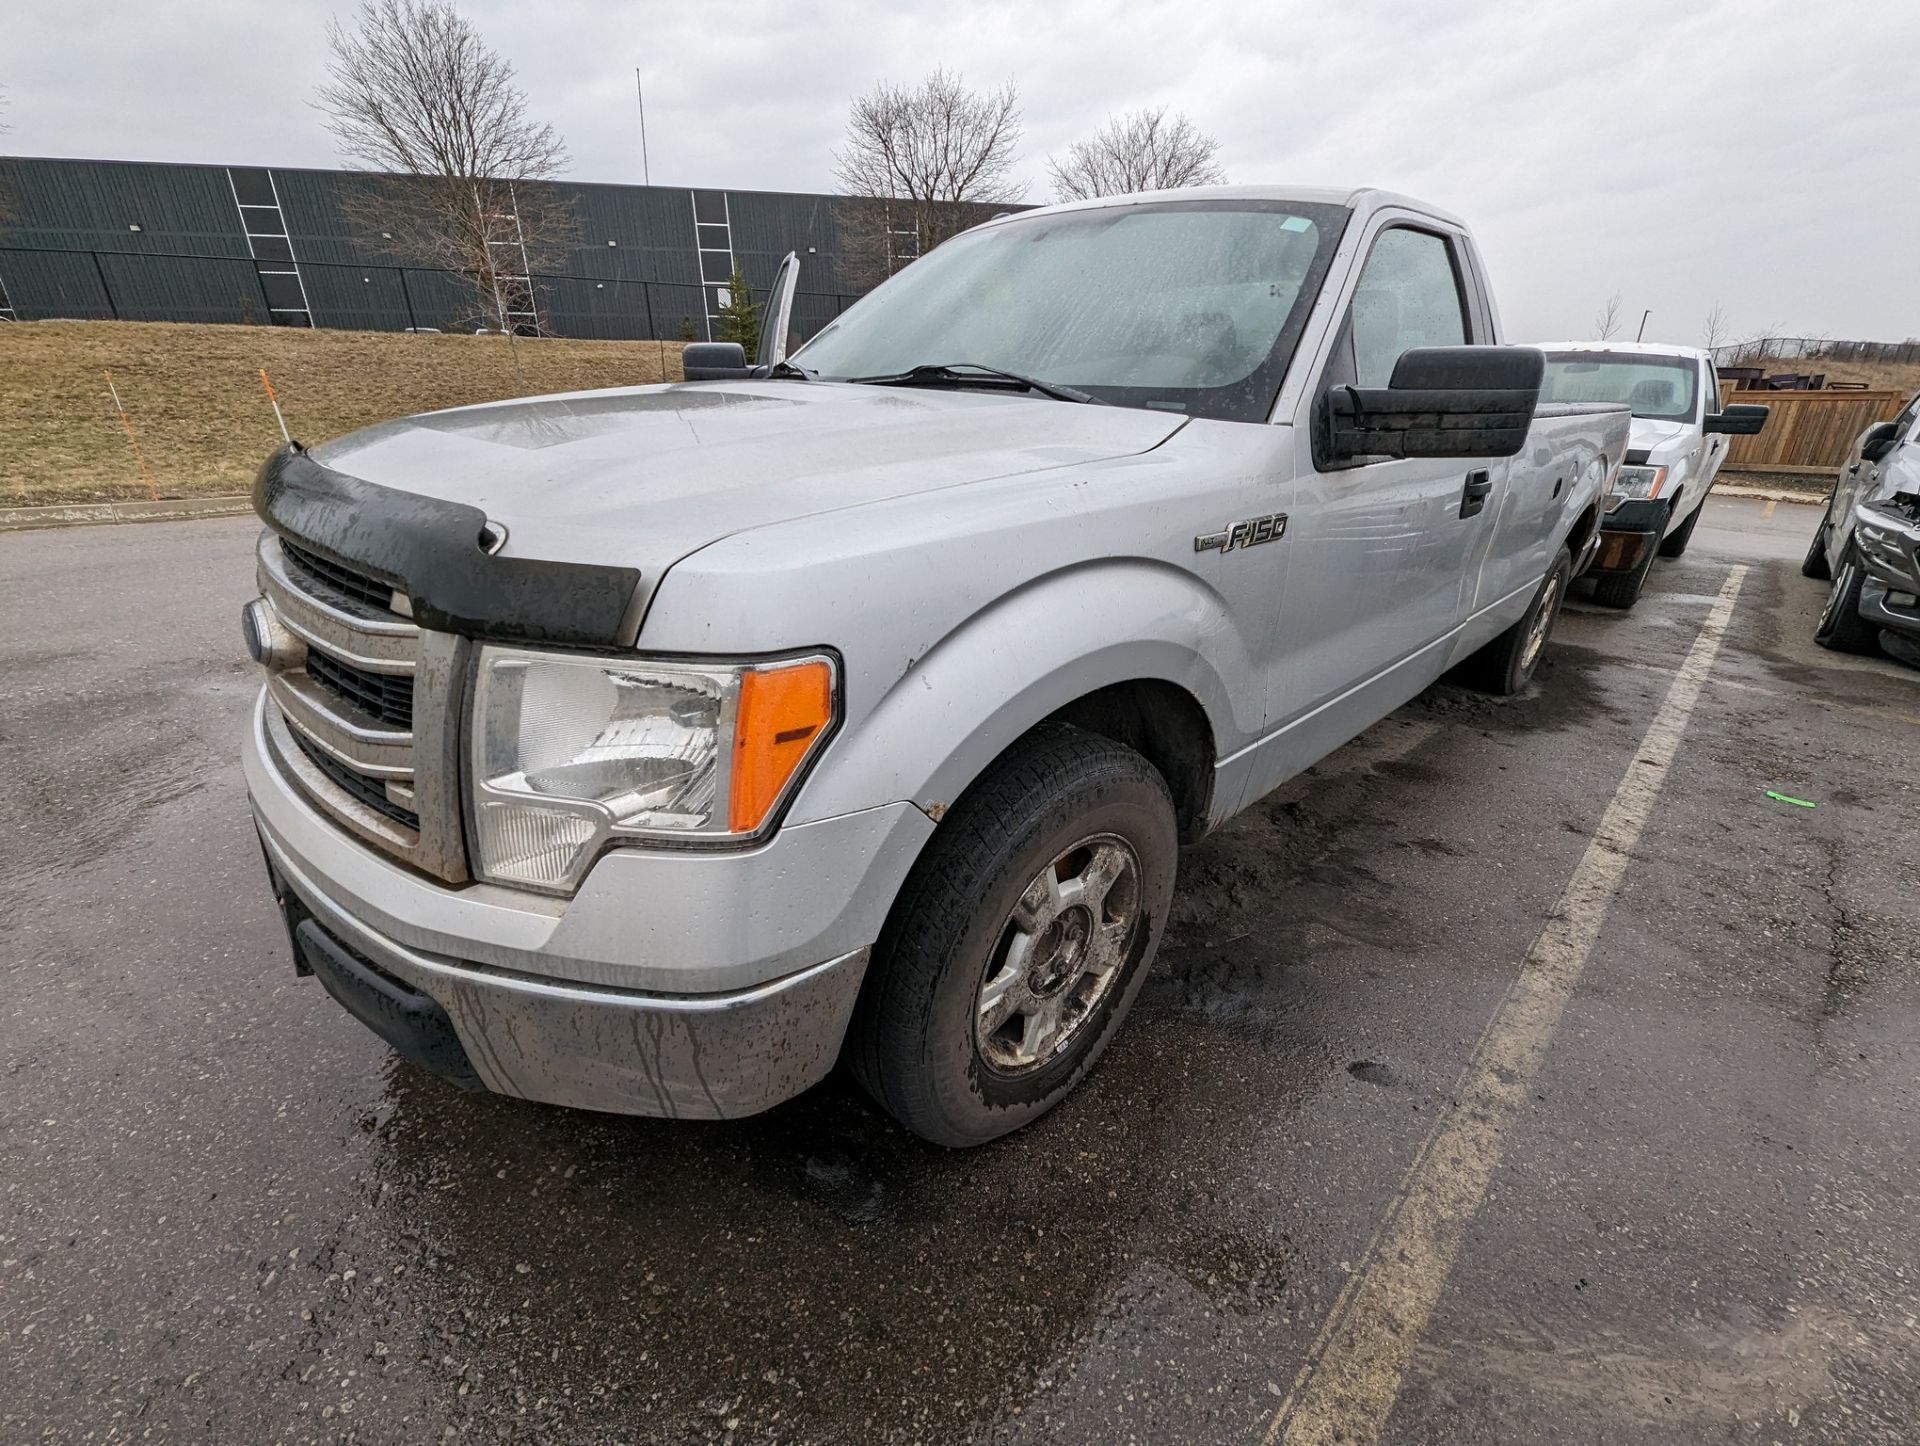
<point>1641,334</point>
<point>646,170</point>
<point>407,297</point>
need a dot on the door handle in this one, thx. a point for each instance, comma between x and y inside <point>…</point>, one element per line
<point>1473,496</point>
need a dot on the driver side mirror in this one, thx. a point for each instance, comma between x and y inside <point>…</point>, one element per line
<point>714,361</point>
<point>1742,419</point>
<point>1441,401</point>
<point>1881,439</point>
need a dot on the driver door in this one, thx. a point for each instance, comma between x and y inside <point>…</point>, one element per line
<point>1382,548</point>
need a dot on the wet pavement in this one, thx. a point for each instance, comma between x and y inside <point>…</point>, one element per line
<point>227,1213</point>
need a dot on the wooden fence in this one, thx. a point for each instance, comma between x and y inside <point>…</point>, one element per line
<point>1810,432</point>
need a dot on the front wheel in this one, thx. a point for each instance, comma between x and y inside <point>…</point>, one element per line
<point>1675,542</point>
<point>1019,940</point>
<point>1505,665</point>
<point>1815,566</point>
<point>1841,627</point>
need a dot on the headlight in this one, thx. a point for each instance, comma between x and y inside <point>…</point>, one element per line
<point>1634,483</point>
<point>572,753</point>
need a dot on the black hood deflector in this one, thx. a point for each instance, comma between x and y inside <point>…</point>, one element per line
<point>433,551</point>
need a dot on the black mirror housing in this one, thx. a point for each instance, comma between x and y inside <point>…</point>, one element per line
<point>714,361</point>
<point>1881,438</point>
<point>1741,419</point>
<point>1441,401</point>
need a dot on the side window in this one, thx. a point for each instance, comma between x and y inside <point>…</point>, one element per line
<point>1711,394</point>
<point>1408,296</point>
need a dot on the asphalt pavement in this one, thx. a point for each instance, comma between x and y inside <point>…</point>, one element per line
<point>1344,1176</point>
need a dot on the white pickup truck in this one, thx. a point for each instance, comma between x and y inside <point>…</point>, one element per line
<point>1679,440</point>
<point>651,749</point>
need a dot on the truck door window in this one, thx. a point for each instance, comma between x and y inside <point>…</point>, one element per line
<point>1711,378</point>
<point>1408,296</point>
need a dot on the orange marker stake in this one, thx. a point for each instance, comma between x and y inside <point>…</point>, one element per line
<point>126,425</point>
<point>284,435</point>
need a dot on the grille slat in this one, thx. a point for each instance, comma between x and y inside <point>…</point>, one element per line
<point>370,791</point>
<point>342,581</point>
<point>386,696</point>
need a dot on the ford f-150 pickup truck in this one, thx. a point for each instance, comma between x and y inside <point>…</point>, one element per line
<point>1678,442</point>
<point>649,750</point>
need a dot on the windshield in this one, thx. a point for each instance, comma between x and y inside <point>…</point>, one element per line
<point>1660,387</point>
<point>1187,306</point>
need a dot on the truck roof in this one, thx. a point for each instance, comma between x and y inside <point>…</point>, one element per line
<point>1635,348</point>
<point>1363,198</point>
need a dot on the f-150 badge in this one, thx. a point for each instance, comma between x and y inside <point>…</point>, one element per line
<point>1250,533</point>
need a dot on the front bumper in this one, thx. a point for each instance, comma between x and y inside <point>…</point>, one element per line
<point>1888,543</point>
<point>701,985</point>
<point>1629,533</point>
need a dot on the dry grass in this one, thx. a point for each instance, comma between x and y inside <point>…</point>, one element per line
<point>193,395</point>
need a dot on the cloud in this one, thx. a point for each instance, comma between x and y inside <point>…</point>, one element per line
<point>1754,153</point>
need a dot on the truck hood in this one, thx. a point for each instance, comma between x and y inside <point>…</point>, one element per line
<point>1649,435</point>
<point>642,476</point>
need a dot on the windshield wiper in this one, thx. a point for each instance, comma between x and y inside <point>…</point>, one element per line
<point>938,374</point>
<point>791,369</point>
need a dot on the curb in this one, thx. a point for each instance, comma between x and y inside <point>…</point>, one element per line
<point>89,514</point>
<point>1762,494</point>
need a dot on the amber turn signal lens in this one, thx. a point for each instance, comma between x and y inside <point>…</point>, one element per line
<point>783,712</point>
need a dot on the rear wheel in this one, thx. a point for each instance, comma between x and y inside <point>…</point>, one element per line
<point>1815,565</point>
<point>1505,665</point>
<point>1841,626</point>
<point>1019,941</point>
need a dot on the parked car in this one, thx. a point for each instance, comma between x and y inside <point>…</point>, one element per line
<point>1868,544</point>
<point>647,750</point>
<point>1679,440</point>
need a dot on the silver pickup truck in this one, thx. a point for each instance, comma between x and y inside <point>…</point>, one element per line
<point>649,750</point>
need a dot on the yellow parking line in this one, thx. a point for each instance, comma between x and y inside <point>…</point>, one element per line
<point>1347,1386</point>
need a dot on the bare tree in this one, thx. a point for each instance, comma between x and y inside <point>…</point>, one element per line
<point>1715,331</point>
<point>920,164</point>
<point>1147,150</point>
<point>1608,321</point>
<point>414,91</point>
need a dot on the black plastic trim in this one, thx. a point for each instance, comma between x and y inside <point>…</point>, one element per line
<point>413,1023</point>
<point>431,550</point>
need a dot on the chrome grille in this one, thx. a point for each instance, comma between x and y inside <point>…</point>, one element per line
<point>332,577</point>
<point>386,696</point>
<point>365,717</point>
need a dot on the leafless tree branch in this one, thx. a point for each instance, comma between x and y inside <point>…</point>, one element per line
<point>1608,321</point>
<point>414,91</point>
<point>918,165</point>
<point>1147,150</point>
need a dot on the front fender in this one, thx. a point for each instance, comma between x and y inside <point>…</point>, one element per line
<point>1025,656</point>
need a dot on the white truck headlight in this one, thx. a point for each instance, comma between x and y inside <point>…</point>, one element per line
<point>571,753</point>
<point>1635,484</point>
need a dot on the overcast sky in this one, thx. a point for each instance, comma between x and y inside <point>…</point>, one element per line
<point>1682,152</point>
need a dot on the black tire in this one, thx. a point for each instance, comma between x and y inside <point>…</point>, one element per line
<point>913,1042</point>
<point>1841,627</point>
<point>1674,544</point>
<point>1815,566</point>
<point>1506,665</point>
<point>1622,589</point>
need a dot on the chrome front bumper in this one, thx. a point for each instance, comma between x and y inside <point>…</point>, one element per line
<point>716,1056</point>
<point>674,983</point>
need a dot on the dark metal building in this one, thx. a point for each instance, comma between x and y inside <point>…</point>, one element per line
<point>147,241</point>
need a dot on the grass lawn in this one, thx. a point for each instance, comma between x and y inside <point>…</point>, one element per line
<point>194,398</point>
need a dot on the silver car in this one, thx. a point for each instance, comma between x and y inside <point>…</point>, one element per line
<point>1868,544</point>
<point>652,749</point>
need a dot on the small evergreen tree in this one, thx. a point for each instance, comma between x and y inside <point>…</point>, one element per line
<point>740,320</point>
<point>687,333</point>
